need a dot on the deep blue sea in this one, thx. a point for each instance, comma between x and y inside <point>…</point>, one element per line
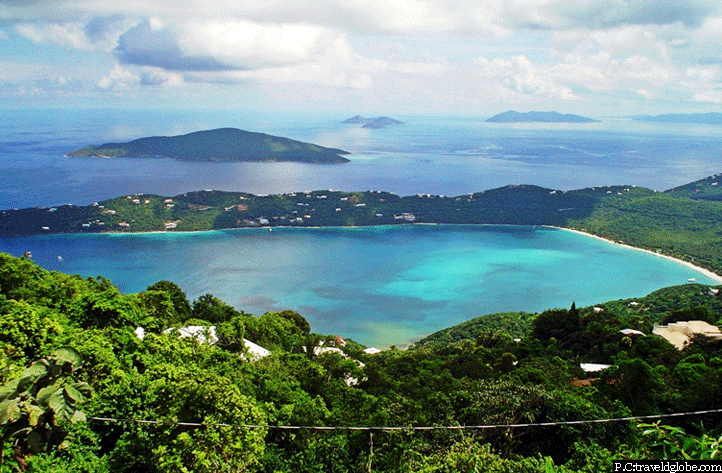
<point>382,286</point>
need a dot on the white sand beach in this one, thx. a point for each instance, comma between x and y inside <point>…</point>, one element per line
<point>704,271</point>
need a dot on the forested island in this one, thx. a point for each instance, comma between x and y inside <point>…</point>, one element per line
<point>222,144</point>
<point>684,222</point>
<point>513,116</point>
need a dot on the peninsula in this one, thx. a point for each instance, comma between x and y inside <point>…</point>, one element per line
<point>375,123</point>
<point>222,145</point>
<point>684,222</point>
<point>543,117</point>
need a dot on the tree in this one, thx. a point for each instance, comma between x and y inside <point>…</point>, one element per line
<point>34,406</point>
<point>211,309</point>
<point>179,299</point>
<point>635,383</point>
<point>106,309</point>
<point>158,311</point>
<point>556,323</point>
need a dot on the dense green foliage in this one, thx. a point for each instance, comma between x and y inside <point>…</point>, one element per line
<point>34,406</point>
<point>222,144</point>
<point>685,222</point>
<point>467,375</point>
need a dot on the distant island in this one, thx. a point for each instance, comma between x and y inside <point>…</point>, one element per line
<point>222,145</point>
<point>379,122</point>
<point>711,118</point>
<point>512,116</point>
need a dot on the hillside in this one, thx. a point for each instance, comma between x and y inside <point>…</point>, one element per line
<point>512,116</point>
<point>708,188</point>
<point>222,144</point>
<point>158,402</point>
<point>645,311</point>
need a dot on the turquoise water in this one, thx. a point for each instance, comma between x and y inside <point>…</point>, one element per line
<point>379,286</point>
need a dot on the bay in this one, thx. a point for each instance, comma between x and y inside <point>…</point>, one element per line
<point>380,286</point>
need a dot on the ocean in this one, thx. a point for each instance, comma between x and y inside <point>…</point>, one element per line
<point>434,155</point>
<point>380,286</point>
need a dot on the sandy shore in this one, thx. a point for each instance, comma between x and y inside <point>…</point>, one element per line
<point>704,271</point>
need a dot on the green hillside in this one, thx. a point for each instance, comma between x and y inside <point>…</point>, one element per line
<point>100,398</point>
<point>704,189</point>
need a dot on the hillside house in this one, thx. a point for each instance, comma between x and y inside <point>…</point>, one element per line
<point>680,333</point>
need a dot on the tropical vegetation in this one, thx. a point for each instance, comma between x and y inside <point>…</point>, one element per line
<point>84,389</point>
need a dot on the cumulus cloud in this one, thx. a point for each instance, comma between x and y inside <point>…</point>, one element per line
<point>119,80</point>
<point>155,77</point>
<point>709,96</point>
<point>70,34</point>
<point>146,45</point>
<point>611,13</point>
<point>100,29</point>
<point>247,45</point>
<point>520,75</point>
<point>99,32</point>
<point>398,51</point>
<point>221,46</point>
<point>598,14</point>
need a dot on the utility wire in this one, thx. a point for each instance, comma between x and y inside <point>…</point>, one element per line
<point>407,428</point>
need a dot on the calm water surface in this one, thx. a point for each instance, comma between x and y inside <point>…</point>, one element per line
<point>436,155</point>
<point>380,286</point>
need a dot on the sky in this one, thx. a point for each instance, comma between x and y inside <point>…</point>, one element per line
<point>596,58</point>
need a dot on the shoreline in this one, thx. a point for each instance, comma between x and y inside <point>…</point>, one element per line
<point>706,272</point>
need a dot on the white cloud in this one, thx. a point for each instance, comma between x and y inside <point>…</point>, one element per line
<point>416,53</point>
<point>70,34</point>
<point>709,96</point>
<point>602,14</point>
<point>523,77</point>
<point>402,15</point>
<point>119,80</point>
<point>99,33</point>
<point>154,76</point>
<point>242,44</point>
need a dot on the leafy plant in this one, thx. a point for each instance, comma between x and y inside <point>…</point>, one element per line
<point>34,406</point>
<point>675,443</point>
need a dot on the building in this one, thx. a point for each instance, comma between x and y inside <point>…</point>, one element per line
<point>680,333</point>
